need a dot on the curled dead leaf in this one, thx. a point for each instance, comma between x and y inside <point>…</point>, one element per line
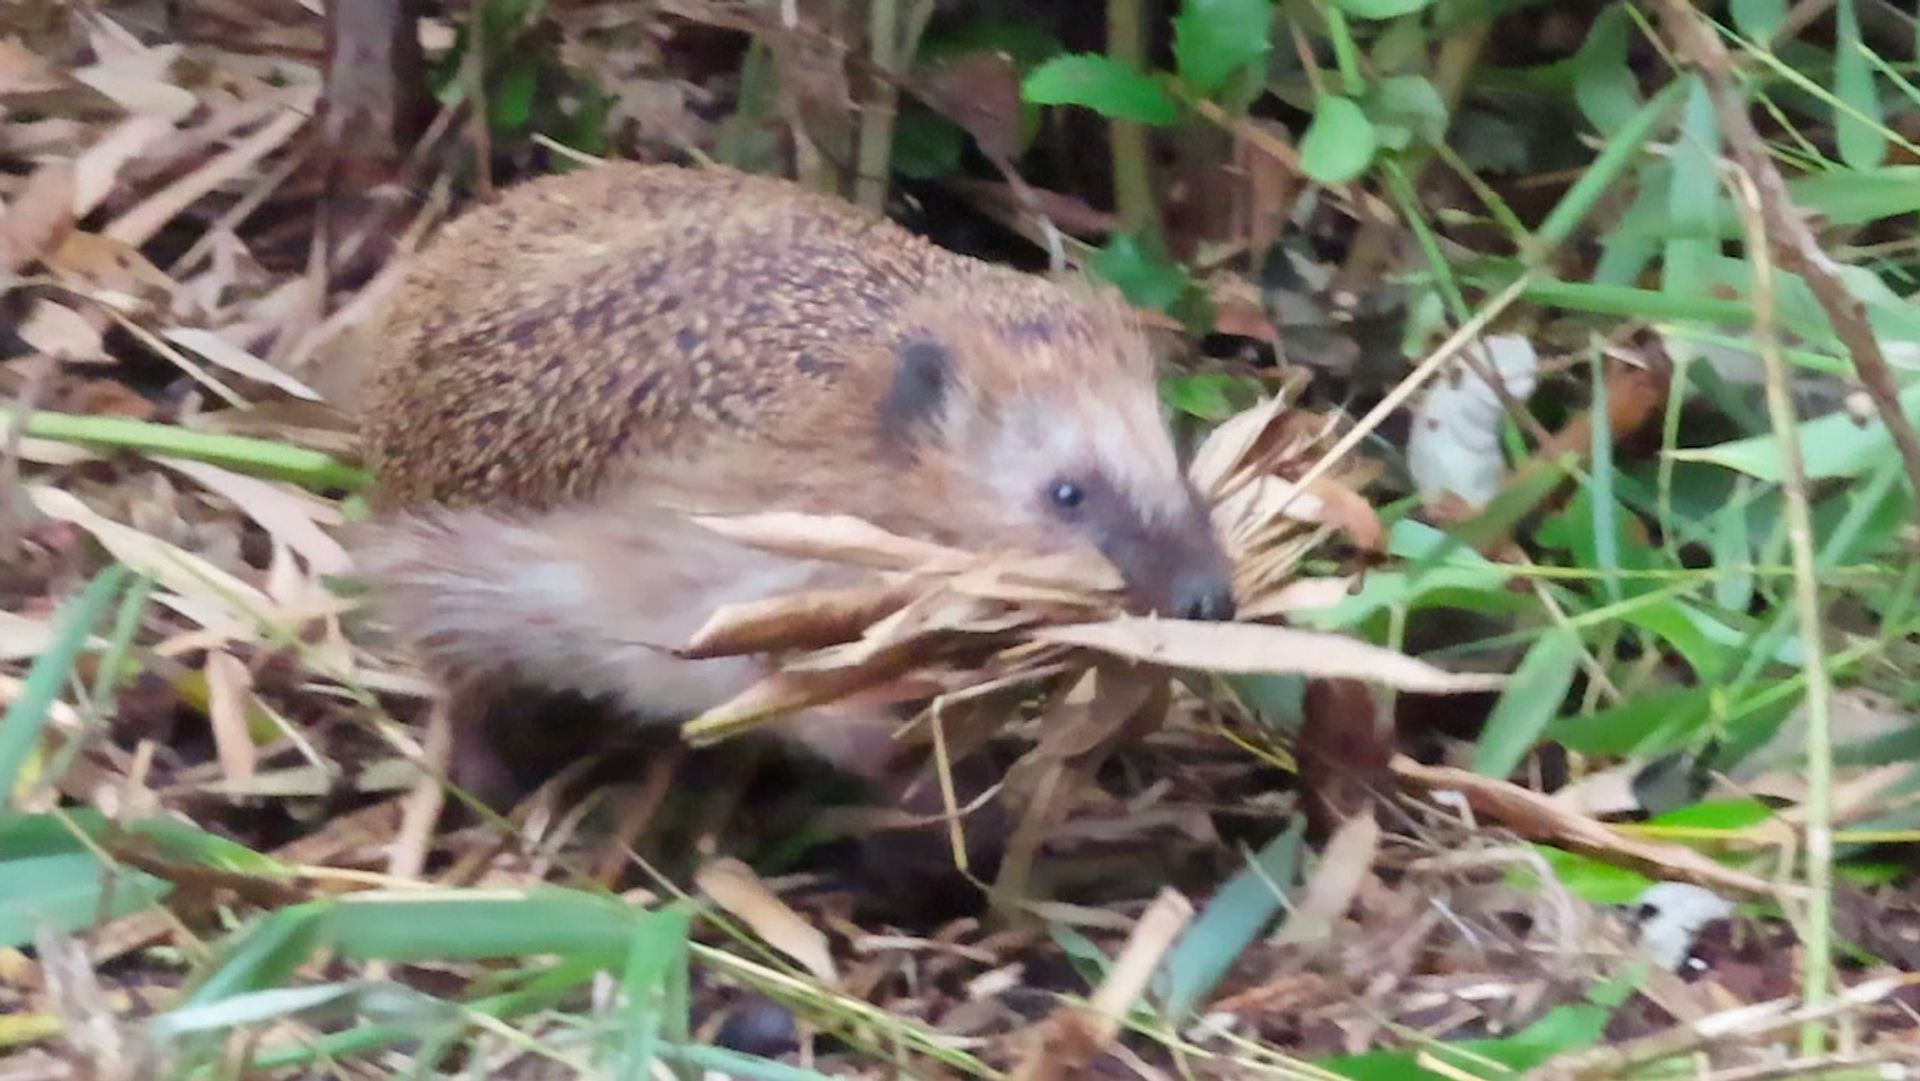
<point>835,537</point>
<point>733,886</point>
<point>808,620</point>
<point>1252,648</point>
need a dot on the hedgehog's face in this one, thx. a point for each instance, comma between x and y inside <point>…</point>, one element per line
<point>1047,463</point>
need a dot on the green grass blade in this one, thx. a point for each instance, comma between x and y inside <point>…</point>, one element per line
<point>27,715</point>
<point>243,453</point>
<point>1237,915</point>
<point>1613,159</point>
<point>1528,703</point>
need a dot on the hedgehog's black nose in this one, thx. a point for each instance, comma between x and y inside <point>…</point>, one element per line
<point>1203,596</point>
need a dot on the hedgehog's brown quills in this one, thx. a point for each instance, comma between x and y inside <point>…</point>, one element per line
<point>558,365</point>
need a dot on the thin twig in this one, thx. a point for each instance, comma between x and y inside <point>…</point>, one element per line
<point>1795,249</point>
<point>1817,930</point>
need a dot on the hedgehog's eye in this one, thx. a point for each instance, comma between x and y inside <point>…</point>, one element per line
<point>1066,495</point>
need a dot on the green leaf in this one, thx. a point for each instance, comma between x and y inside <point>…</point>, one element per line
<point>1102,84</point>
<point>391,1002</point>
<point>1405,108</point>
<point>1211,396</point>
<point>1732,554</point>
<point>1339,144</point>
<point>1147,278</point>
<point>26,716</point>
<point>1592,880</point>
<point>1693,193</point>
<point>1380,9</point>
<point>265,954</point>
<point>1834,445</point>
<point>1564,1028</point>
<point>1603,84</point>
<point>1727,814</point>
<point>1238,914</point>
<point>1214,40</point>
<point>1534,697</point>
<point>172,839</point>
<point>457,925</point>
<point>66,892</point>
<point>1856,128</point>
<point>1647,724</point>
<point>655,982</point>
<point>510,106</point>
<point>926,145</point>
<point>1759,19</point>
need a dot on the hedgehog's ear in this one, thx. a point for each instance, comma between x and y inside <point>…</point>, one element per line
<point>923,369</point>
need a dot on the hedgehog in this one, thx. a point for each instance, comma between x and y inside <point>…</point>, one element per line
<point>560,365</point>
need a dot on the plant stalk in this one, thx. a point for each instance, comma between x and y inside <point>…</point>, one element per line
<point>1133,200</point>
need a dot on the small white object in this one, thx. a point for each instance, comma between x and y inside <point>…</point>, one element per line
<point>1676,911</point>
<point>1455,443</point>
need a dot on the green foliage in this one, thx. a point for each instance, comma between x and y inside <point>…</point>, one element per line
<point>1603,85</point>
<point>1857,119</point>
<point>53,875</point>
<point>1380,9</point>
<point>1563,1029</point>
<point>1212,396</point>
<point>28,713</point>
<point>1102,84</point>
<point>1339,144</point>
<point>1140,269</point>
<point>1237,915</point>
<point>1533,697</point>
<point>528,90</point>
<point>1216,41</point>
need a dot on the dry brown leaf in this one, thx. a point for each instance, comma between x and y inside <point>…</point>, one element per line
<point>106,398</point>
<point>1238,310</point>
<point>1344,866</point>
<point>1346,510</point>
<point>97,169</point>
<point>979,91</point>
<point>60,332</point>
<point>284,511</point>
<point>38,219</point>
<point>23,637</point>
<point>140,82</point>
<point>237,360</point>
<point>733,886</point>
<point>229,692</point>
<point>138,225</point>
<point>1075,576</point>
<point>807,620</point>
<point>24,72</point>
<point>838,538</point>
<point>105,263</point>
<point>1066,1044</point>
<point>1251,648</point>
<point>211,589</point>
<point>781,693</point>
<point>1299,595</point>
<point>1224,451</point>
<point>1538,817</point>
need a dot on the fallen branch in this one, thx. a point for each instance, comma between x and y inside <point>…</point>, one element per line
<point>1538,817</point>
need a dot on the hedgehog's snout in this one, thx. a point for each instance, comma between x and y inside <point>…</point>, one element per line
<point>1203,595</point>
<point>1178,571</point>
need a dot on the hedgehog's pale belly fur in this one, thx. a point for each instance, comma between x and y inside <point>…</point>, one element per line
<point>592,344</point>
